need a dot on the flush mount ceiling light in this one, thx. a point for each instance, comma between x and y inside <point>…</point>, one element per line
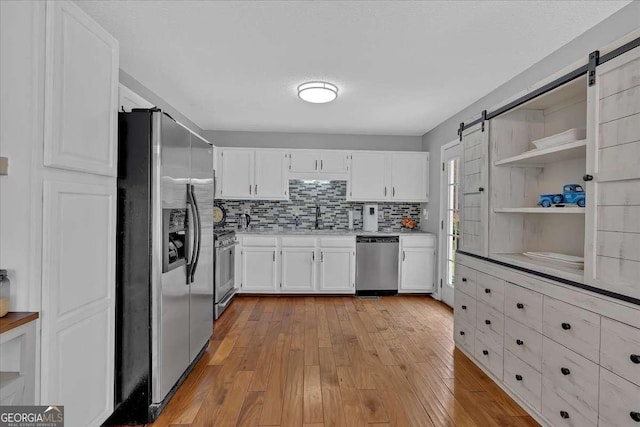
<point>317,92</point>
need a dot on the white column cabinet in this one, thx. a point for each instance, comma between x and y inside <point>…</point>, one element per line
<point>252,174</point>
<point>337,270</point>
<point>298,270</point>
<point>417,260</point>
<point>259,269</point>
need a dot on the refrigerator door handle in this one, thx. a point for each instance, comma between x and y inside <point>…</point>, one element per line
<point>194,265</point>
<point>192,233</point>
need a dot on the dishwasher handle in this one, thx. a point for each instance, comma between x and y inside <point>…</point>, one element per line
<point>377,239</point>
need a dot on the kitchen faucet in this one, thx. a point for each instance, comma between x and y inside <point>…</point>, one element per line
<point>317,216</point>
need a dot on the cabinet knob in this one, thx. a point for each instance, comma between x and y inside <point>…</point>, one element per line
<point>587,177</point>
<point>564,414</point>
<point>485,352</point>
<point>519,342</point>
<point>519,377</point>
<point>566,326</point>
<point>487,322</point>
<point>462,333</point>
<point>464,307</point>
<point>635,358</point>
<point>487,291</point>
<point>464,279</point>
<point>635,416</point>
<point>520,305</point>
<point>481,189</point>
<point>565,371</point>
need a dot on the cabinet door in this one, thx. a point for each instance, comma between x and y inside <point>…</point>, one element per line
<point>416,270</point>
<point>410,177</point>
<point>258,269</point>
<point>304,161</point>
<point>298,270</point>
<point>337,270</point>
<point>236,174</point>
<point>368,177</point>
<point>334,162</point>
<point>475,209</point>
<point>612,243</point>
<point>270,175</point>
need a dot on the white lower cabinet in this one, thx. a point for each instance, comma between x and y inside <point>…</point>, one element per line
<point>619,401</point>
<point>258,269</point>
<point>417,255</point>
<point>298,270</point>
<point>337,270</point>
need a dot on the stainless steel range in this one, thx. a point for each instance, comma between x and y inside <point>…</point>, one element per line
<point>225,245</point>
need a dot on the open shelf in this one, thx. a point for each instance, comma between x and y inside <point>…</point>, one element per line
<point>541,210</point>
<point>541,157</point>
<point>542,266</point>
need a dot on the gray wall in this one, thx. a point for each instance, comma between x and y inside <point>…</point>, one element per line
<point>608,31</point>
<point>133,84</point>
<point>312,140</point>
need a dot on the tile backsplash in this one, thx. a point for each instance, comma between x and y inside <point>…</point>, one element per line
<point>303,196</point>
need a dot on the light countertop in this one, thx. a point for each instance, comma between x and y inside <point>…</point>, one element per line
<point>330,232</point>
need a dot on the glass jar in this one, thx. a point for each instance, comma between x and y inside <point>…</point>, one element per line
<point>5,293</point>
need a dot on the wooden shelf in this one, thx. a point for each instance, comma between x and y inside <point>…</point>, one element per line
<point>541,157</point>
<point>541,210</point>
<point>13,319</point>
<point>542,266</point>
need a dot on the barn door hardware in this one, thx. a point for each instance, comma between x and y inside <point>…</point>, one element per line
<point>594,57</point>
<point>483,118</point>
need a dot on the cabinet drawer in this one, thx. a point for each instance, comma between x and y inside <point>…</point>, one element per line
<point>523,342</point>
<point>464,335</point>
<point>525,381</point>
<point>491,323</point>
<point>490,290</point>
<point>523,305</point>
<point>259,241</point>
<point>574,327</point>
<point>619,401</point>
<point>577,377</point>
<point>337,242</point>
<point>620,349</point>
<point>488,355</point>
<point>466,280</point>
<point>562,409</point>
<point>295,242</point>
<point>465,308</point>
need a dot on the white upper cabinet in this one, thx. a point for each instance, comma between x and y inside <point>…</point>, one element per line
<point>612,243</point>
<point>410,177</point>
<point>304,161</point>
<point>368,177</point>
<point>334,162</point>
<point>252,174</point>
<point>319,164</point>
<point>236,174</point>
<point>270,180</point>
<point>394,176</point>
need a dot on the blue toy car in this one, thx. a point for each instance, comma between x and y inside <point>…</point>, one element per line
<point>572,194</point>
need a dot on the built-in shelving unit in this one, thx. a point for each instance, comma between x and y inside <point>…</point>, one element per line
<point>540,210</point>
<point>542,157</point>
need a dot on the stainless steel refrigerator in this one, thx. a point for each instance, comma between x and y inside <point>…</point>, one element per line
<point>165,260</point>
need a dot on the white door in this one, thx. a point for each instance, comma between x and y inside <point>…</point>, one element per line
<point>410,177</point>
<point>449,234</point>
<point>417,270</point>
<point>612,243</point>
<point>334,162</point>
<point>304,161</point>
<point>368,177</point>
<point>337,270</point>
<point>270,180</point>
<point>236,174</point>
<point>298,270</point>
<point>258,269</point>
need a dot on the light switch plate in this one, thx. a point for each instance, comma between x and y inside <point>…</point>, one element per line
<point>4,166</point>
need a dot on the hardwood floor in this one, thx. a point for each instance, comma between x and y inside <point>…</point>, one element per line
<point>338,361</point>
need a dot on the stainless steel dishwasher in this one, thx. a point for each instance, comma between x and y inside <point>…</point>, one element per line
<point>377,265</point>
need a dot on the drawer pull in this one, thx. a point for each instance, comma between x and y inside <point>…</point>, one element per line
<point>564,414</point>
<point>635,358</point>
<point>487,291</point>
<point>464,307</point>
<point>519,377</point>
<point>520,305</point>
<point>464,279</point>
<point>566,326</point>
<point>487,322</point>
<point>519,342</point>
<point>462,333</point>
<point>565,371</point>
<point>635,416</point>
<point>485,352</point>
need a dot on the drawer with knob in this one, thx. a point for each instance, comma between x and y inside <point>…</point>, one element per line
<point>561,409</point>
<point>490,290</point>
<point>574,327</point>
<point>488,355</point>
<point>525,381</point>
<point>523,305</point>
<point>465,308</point>
<point>619,401</point>
<point>464,336</point>
<point>620,349</point>
<point>523,342</point>
<point>573,376</point>
<point>491,323</point>
<point>466,280</point>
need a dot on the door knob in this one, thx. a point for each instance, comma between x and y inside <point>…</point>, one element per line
<point>565,371</point>
<point>564,414</point>
<point>635,358</point>
<point>587,177</point>
<point>485,352</point>
<point>635,416</point>
<point>487,322</point>
<point>487,291</point>
<point>461,332</point>
<point>566,326</point>
<point>520,305</point>
<point>519,342</point>
<point>519,377</point>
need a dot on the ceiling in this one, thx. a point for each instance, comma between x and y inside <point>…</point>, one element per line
<point>402,67</point>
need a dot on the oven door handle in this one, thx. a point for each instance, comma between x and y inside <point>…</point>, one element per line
<point>225,247</point>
